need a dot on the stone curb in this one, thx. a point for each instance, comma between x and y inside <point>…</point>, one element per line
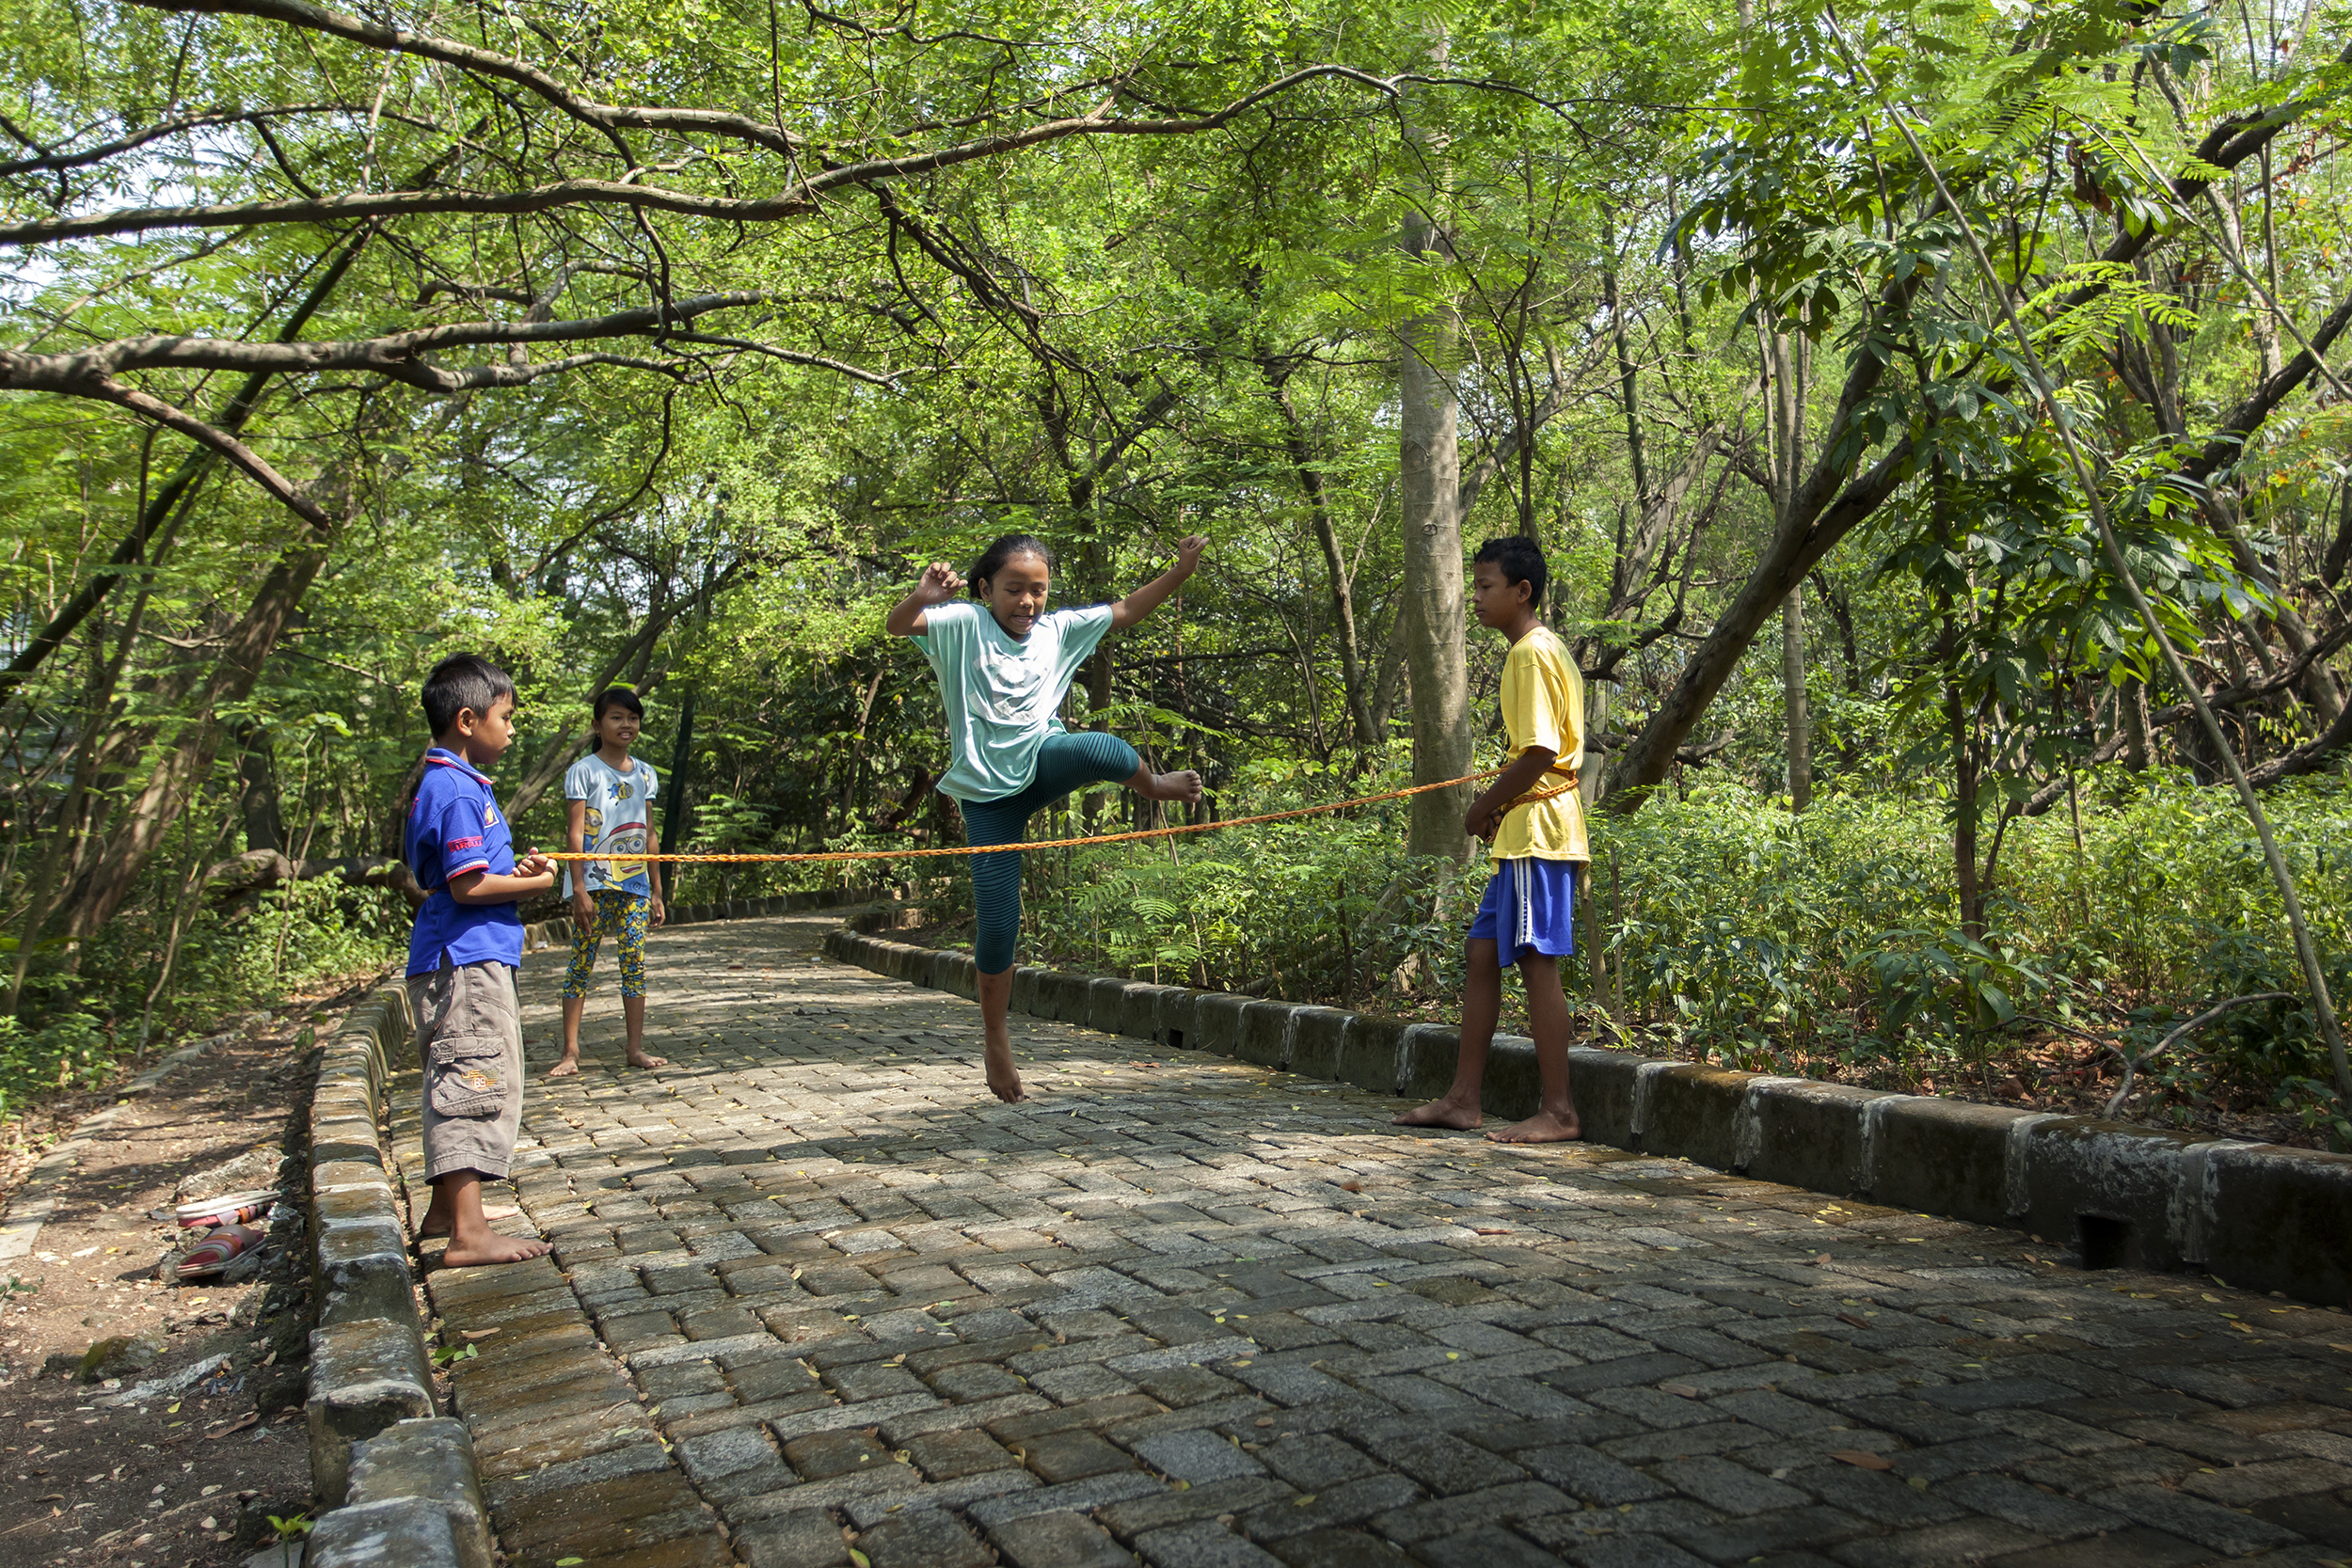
<point>2262,1216</point>
<point>398,1484</point>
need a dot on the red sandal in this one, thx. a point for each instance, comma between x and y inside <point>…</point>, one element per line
<point>216,1251</point>
<point>208,1213</point>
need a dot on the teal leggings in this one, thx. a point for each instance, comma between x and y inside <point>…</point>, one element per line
<point>1064,763</point>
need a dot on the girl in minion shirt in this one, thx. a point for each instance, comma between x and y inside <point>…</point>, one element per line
<point>611,794</point>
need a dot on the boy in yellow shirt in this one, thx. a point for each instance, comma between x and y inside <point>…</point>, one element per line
<point>1534,824</point>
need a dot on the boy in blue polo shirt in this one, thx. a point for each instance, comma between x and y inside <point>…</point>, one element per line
<point>463,955</point>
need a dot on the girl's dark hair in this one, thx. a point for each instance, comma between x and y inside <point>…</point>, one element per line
<point>618,696</point>
<point>993,558</point>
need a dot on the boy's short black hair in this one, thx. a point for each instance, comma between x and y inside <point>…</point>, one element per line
<point>459,682</point>
<point>1517,558</point>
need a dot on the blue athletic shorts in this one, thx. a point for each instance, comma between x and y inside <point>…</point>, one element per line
<point>1530,904</point>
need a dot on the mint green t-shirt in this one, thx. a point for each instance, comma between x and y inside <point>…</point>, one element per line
<point>1003,697</point>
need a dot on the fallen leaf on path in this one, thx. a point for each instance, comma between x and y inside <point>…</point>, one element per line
<point>251,1418</point>
<point>1862,1461</point>
<point>1679,1390</point>
<point>1850,1318</point>
<point>477,1333</point>
<point>1820,1259</point>
<point>1490,1230</point>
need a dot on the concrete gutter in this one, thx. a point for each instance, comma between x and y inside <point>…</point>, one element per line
<point>2257,1215</point>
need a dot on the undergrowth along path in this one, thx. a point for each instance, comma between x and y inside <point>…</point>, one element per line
<point>813,1292</point>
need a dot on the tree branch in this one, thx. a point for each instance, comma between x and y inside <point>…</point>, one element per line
<point>396,355</point>
<point>242,457</point>
<point>793,201</point>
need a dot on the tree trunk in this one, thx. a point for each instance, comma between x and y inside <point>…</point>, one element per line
<point>1962,733</point>
<point>1792,692</point>
<point>257,775</point>
<point>678,819</point>
<point>857,744</point>
<point>1429,470</point>
<point>1334,562</point>
<point>185,764</point>
<point>258,870</point>
<point>1594,766</point>
<point>2131,709</point>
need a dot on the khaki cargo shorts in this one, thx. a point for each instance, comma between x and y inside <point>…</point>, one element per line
<point>470,1040</point>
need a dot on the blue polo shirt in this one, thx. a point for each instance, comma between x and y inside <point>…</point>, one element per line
<point>455,826</point>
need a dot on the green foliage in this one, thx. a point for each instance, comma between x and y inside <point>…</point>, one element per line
<point>96,1024</point>
<point>1116,340</point>
<point>1826,944</point>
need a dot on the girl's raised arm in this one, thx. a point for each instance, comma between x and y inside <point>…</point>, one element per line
<point>938,584</point>
<point>1149,597</point>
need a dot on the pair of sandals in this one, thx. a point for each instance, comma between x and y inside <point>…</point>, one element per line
<point>229,1220</point>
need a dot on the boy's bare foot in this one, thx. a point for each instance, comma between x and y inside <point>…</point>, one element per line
<point>1541,1128</point>
<point>1184,786</point>
<point>492,1247</point>
<point>432,1228</point>
<point>638,1058</point>
<point>1004,1079</point>
<point>569,1066</point>
<point>1442,1112</point>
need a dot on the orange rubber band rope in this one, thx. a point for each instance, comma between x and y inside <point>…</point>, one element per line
<point>1567,776</point>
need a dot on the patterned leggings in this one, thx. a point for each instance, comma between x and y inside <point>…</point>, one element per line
<point>618,914</point>
<point>1064,762</point>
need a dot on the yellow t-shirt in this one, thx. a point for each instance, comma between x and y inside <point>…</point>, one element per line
<point>1543,704</point>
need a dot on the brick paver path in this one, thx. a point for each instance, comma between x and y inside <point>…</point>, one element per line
<point>816,1295</point>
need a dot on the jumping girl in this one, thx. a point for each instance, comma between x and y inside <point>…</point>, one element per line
<point>1003,665</point>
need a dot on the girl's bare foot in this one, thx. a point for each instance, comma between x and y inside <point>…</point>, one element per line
<point>1004,1079</point>
<point>1448,1112</point>
<point>491,1247</point>
<point>1184,786</point>
<point>638,1058</point>
<point>1544,1127</point>
<point>569,1066</point>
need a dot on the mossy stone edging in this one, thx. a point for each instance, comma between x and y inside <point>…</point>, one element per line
<point>398,1485</point>
<point>2262,1216</point>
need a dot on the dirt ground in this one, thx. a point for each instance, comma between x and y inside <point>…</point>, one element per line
<point>185,1479</point>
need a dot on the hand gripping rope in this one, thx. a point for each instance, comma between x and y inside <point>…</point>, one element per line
<point>1568,778</point>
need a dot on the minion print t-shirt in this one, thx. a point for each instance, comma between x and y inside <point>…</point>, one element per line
<point>617,823</point>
